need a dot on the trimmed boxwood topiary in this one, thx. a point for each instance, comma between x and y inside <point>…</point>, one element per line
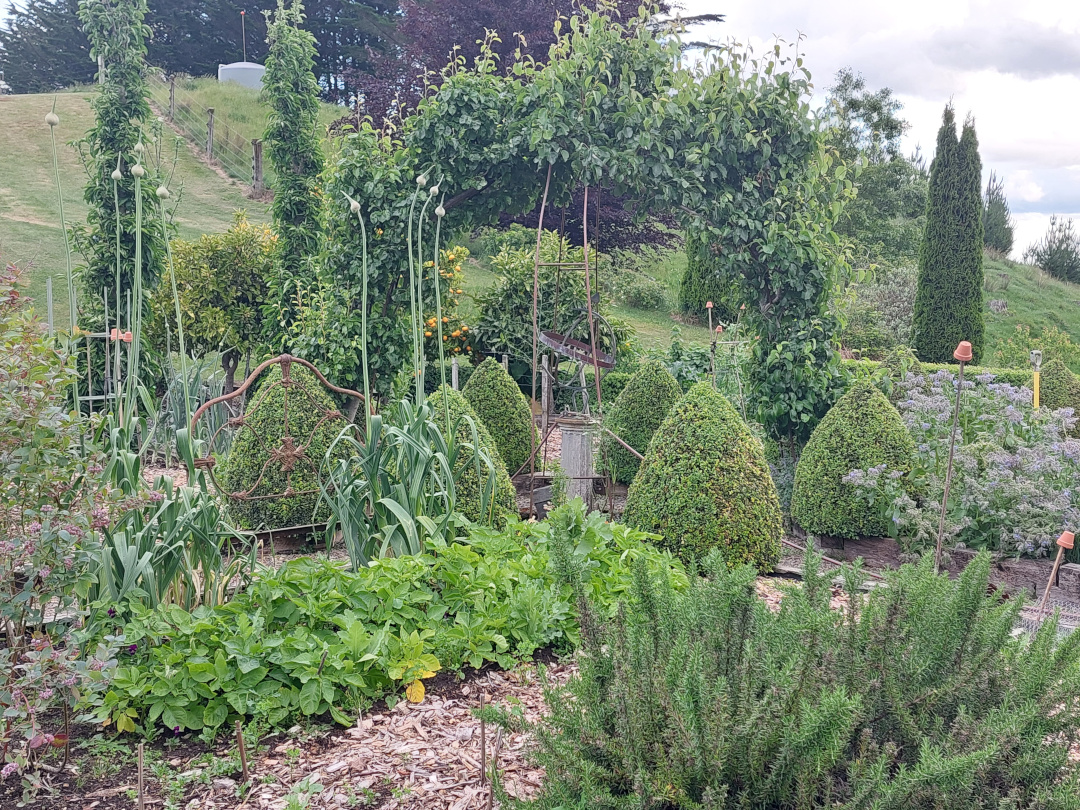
<point>704,484</point>
<point>1059,388</point>
<point>862,430</point>
<point>503,409</point>
<point>634,417</point>
<point>468,486</point>
<point>249,458</point>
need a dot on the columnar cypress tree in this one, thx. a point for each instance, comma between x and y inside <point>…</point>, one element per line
<point>706,279</point>
<point>948,302</point>
<point>295,151</point>
<point>997,221</point>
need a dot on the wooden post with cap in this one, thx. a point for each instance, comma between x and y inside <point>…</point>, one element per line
<point>963,354</point>
<point>1064,542</point>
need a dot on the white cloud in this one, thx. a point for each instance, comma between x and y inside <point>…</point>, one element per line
<point>1021,186</point>
<point>1014,66</point>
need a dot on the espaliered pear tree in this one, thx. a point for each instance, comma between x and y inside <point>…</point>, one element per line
<point>949,298</point>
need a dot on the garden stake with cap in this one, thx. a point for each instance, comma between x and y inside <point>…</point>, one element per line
<point>1064,542</point>
<point>712,349</point>
<point>964,355</point>
<point>1036,361</point>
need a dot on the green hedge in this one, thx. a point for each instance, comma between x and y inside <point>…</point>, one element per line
<point>470,487</point>
<point>869,370</point>
<point>706,279</point>
<point>1059,388</point>
<point>505,412</point>
<point>862,430</point>
<point>705,484</point>
<point>249,464</point>
<point>634,417</point>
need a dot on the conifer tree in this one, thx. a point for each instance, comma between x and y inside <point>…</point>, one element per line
<point>948,301</point>
<point>997,221</point>
<point>295,151</point>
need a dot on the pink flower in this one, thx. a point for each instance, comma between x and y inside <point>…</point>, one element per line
<point>9,769</point>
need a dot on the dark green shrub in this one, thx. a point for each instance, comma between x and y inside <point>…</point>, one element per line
<point>433,379</point>
<point>704,484</point>
<point>1059,388</point>
<point>862,430</point>
<point>949,298</point>
<point>916,697</point>
<point>707,279</point>
<point>639,291</point>
<point>251,469</point>
<point>504,411</point>
<point>635,416</point>
<point>470,487</point>
<point>865,332</point>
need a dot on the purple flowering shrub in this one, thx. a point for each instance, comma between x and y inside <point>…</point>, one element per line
<point>50,508</point>
<point>1016,474</point>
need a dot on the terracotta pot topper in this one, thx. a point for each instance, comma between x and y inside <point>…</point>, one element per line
<point>963,352</point>
<point>1066,540</point>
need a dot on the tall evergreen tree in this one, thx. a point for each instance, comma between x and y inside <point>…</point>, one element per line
<point>43,47</point>
<point>949,298</point>
<point>997,221</point>
<point>294,147</point>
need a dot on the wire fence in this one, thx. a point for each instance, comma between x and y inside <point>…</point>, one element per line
<point>220,145</point>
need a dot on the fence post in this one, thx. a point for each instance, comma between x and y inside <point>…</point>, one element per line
<point>454,373</point>
<point>506,363</point>
<point>172,98</point>
<point>257,185</point>
<point>209,133</point>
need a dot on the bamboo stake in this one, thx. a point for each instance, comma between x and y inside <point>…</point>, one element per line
<point>483,743</point>
<point>142,798</point>
<point>1065,541</point>
<point>243,751</point>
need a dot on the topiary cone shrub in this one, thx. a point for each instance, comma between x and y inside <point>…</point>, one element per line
<point>862,430</point>
<point>705,484</point>
<point>634,417</point>
<point>469,487</point>
<point>504,411</point>
<point>250,463</point>
<point>1059,388</point>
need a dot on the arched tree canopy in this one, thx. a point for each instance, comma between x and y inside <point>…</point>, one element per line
<point>728,143</point>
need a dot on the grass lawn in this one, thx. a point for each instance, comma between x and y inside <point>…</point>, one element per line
<point>29,216</point>
<point>1034,299</point>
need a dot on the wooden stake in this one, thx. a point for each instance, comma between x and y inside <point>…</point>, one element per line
<point>243,751</point>
<point>1053,579</point>
<point>483,743</point>
<point>142,799</point>
<point>494,765</point>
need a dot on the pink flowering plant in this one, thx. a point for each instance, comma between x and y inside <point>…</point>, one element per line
<point>50,509</point>
<point>1016,474</point>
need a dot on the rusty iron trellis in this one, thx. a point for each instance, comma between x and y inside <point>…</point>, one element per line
<point>289,453</point>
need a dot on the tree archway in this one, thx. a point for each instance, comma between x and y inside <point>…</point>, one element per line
<point>728,143</point>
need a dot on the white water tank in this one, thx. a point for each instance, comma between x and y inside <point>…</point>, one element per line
<point>249,74</point>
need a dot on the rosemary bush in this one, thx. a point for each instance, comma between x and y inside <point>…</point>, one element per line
<point>914,696</point>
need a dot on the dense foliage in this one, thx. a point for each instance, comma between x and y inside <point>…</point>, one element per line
<point>1059,387</point>
<point>294,149</point>
<point>704,484</point>
<point>997,220</point>
<point>312,638</point>
<point>861,431</point>
<point>479,497</point>
<point>43,47</point>
<point>222,284</point>
<point>1014,483</point>
<point>640,408</point>
<point>707,279</point>
<point>1058,252</point>
<point>259,470</point>
<point>885,221</point>
<point>916,695</point>
<point>504,411</point>
<point>949,300</point>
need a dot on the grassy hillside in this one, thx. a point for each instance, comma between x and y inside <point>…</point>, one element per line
<point>1033,299</point>
<point>29,216</point>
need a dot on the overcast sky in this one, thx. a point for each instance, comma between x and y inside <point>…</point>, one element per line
<point>1014,65</point>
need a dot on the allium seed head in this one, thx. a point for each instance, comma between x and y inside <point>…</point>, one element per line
<point>421,180</point>
<point>163,193</point>
<point>440,212</point>
<point>117,175</point>
<point>137,170</point>
<point>139,148</point>
<point>52,119</point>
